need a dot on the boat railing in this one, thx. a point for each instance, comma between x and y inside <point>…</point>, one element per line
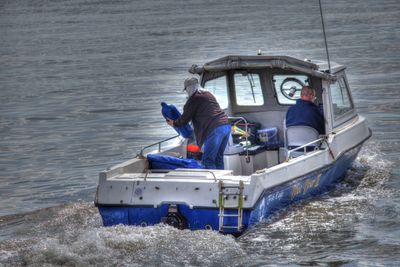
<point>158,144</point>
<point>246,135</point>
<point>304,148</point>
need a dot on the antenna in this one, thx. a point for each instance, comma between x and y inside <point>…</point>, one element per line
<point>326,43</point>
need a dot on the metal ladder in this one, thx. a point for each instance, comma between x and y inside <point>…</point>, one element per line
<point>224,196</point>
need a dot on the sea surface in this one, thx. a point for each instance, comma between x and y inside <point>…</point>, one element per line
<point>81,83</point>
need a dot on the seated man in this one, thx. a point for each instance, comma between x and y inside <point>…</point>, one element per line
<point>305,112</point>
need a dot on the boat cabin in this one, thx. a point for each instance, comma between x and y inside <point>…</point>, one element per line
<point>260,89</point>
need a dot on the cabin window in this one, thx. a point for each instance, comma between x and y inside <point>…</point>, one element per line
<point>219,89</point>
<point>341,100</point>
<point>248,89</point>
<point>288,87</point>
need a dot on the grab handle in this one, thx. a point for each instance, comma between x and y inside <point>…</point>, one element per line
<point>247,140</point>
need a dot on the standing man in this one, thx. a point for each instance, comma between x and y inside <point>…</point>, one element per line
<point>305,112</point>
<point>210,123</point>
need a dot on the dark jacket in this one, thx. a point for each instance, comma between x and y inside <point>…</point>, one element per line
<point>204,111</point>
<point>306,113</point>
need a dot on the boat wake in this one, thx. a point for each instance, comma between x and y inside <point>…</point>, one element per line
<point>74,236</point>
<point>373,168</point>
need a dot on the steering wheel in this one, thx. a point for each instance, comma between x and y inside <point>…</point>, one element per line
<point>291,87</point>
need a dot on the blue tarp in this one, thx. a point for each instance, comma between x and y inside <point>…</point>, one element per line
<point>165,162</point>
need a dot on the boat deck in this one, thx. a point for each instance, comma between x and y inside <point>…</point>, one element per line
<point>183,174</point>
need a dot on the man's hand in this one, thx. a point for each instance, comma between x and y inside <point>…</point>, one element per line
<point>170,122</point>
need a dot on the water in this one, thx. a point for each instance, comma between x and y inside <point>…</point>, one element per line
<point>80,87</point>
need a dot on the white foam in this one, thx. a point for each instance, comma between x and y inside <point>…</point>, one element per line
<point>74,237</point>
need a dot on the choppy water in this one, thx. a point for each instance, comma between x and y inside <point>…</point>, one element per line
<point>80,86</point>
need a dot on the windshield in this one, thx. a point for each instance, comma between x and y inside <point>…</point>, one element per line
<point>248,89</point>
<point>288,87</point>
<point>218,87</point>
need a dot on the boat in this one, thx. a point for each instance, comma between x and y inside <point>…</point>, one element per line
<point>268,166</point>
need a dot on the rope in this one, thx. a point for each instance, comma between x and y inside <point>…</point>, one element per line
<point>329,148</point>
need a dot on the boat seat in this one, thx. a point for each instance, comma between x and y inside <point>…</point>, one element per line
<point>299,135</point>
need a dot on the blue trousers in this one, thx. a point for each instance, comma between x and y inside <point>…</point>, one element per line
<point>214,147</point>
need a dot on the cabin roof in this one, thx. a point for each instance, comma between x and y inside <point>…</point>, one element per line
<point>232,62</point>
